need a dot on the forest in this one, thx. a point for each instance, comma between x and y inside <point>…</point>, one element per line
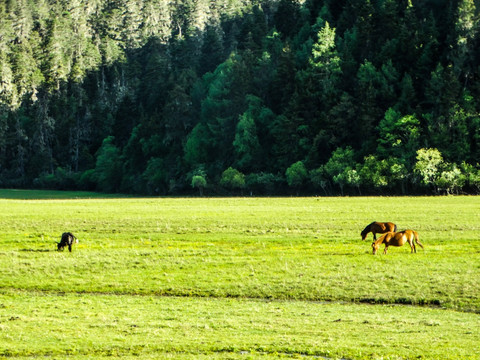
<point>241,97</point>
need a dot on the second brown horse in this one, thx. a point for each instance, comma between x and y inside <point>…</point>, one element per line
<point>378,228</point>
<point>397,239</point>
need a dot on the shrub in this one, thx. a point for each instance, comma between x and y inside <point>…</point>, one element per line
<point>296,175</point>
<point>199,182</point>
<point>263,183</point>
<point>232,179</point>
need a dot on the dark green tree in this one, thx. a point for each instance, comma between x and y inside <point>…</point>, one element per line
<point>246,143</point>
<point>286,17</point>
<point>339,166</point>
<point>108,168</point>
<point>370,83</point>
<point>399,136</point>
<point>465,41</point>
<point>212,51</point>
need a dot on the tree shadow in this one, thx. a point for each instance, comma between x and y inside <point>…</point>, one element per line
<point>38,250</point>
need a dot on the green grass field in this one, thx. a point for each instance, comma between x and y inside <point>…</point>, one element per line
<point>236,278</point>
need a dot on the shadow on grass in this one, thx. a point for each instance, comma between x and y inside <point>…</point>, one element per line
<point>21,194</point>
<point>38,250</point>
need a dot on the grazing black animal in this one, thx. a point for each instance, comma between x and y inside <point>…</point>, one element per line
<point>67,240</point>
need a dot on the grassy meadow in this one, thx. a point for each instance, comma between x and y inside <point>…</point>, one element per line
<point>237,278</point>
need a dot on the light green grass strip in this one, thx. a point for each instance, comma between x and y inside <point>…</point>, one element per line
<point>105,325</point>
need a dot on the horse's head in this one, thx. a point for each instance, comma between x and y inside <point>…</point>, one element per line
<point>385,238</point>
<point>364,234</point>
<point>365,231</point>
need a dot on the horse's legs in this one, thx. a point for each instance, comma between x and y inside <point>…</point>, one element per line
<point>412,246</point>
<point>385,251</point>
<point>70,247</point>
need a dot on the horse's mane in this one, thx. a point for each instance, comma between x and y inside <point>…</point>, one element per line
<point>367,228</point>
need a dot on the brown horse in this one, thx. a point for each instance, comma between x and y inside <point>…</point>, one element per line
<point>397,239</point>
<point>378,228</point>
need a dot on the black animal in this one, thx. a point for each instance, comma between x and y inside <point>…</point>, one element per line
<point>67,240</point>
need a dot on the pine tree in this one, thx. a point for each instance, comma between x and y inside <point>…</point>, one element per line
<point>157,21</point>
<point>286,17</point>
<point>466,31</point>
<point>398,136</point>
<point>212,52</point>
<point>325,63</point>
<point>246,144</point>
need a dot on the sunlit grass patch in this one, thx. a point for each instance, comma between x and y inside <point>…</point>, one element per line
<point>183,258</point>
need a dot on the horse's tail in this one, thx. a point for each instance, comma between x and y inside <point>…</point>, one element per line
<point>75,239</point>
<point>416,239</point>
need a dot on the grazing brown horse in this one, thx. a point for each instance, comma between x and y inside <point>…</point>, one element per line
<point>378,228</point>
<point>397,239</point>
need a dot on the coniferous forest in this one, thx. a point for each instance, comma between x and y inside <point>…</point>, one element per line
<point>262,97</point>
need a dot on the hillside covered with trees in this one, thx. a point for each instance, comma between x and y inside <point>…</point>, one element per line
<point>241,96</point>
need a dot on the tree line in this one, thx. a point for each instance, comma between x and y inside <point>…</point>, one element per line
<point>241,96</point>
